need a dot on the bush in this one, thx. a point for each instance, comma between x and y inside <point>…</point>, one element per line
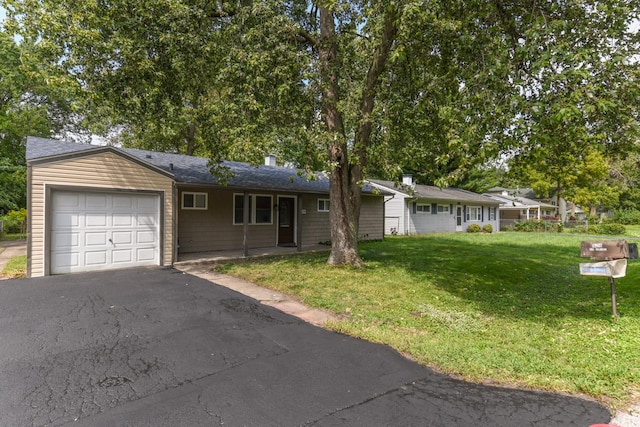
<point>626,216</point>
<point>474,228</point>
<point>488,228</point>
<point>15,221</point>
<point>538,226</point>
<point>611,229</point>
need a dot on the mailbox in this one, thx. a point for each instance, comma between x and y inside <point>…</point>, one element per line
<point>616,268</point>
<point>608,250</point>
<point>613,256</point>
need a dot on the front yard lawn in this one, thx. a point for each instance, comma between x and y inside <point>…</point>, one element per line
<point>16,267</point>
<point>506,308</point>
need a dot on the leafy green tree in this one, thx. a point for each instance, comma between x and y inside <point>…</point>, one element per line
<point>358,87</point>
<point>481,178</point>
<point>32,102</point>
<point>594,186</point>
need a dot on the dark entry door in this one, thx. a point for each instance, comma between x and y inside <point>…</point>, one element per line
<point>286,221</point>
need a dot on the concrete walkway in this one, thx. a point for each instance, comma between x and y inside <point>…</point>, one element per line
<point>266,296</point>
<point>10,249</point>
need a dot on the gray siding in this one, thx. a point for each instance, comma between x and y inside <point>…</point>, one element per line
<point>371,218</point>
<point>213,229</point>
<point>422,223</point>
<point>316,227</point>
<point>395,214</point>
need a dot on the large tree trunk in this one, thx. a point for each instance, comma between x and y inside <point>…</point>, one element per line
<point>344,225</point>
<point>191,139</point>
<point>346,176</point>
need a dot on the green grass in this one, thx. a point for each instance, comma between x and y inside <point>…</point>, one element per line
<point>16,267</point>
<point>12,236</point>
<point>510,308</point>
<point>632,231</point>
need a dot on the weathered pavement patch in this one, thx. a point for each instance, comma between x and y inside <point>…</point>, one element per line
<point>158,347</point>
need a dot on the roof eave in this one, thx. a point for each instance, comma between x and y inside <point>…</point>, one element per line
<point>99,150</point>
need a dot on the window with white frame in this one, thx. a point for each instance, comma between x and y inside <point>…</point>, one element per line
<point>443,208</point>
<point>474,213</point>
<point>323,205</point>
<point>196,201</point>
<point>492,214</point>
<point>260,209</point>
<point>423,208</point>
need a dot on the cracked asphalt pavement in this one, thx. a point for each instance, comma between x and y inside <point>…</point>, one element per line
<point>156,347</point>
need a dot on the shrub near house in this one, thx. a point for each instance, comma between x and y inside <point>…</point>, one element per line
<point>14,222</point>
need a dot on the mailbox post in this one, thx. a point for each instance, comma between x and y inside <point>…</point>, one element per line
<point>613,257</point>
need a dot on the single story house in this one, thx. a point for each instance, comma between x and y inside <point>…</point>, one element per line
<point>419,209</point>
<point>101,207</point>
<point>514,206</point>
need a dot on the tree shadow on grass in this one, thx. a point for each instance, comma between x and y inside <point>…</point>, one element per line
<point>515,276</point>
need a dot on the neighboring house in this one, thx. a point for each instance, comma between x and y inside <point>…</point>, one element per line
<point>516,206</point>
<point>419,209</point>
<point>99,207</point>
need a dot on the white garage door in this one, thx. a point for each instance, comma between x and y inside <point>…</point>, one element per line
<point>102,231</point>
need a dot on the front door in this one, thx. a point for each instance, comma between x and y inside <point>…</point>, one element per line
<point>459,213</point>
<point>286,221</point>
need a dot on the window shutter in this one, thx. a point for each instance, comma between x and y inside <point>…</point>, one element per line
<point>434,209</point>
<point>451,208</point>
<point>414,207</point>
<point>482,213</point>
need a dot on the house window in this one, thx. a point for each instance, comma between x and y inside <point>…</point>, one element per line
<point>422,208</point>
<point>263,209</point>
<point>323,205</point>
<point>474,213</point>
<point>492,214</point>
<point>443,208</point>
<point>260,209</point>
<point>194,200</point>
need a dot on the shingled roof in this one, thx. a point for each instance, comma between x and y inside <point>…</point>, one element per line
<point>193,170</point>
<point>436,193</point>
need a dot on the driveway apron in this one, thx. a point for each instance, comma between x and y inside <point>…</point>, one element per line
<point>157,347</point>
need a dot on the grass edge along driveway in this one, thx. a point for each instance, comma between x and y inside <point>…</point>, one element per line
<point>506,308</point>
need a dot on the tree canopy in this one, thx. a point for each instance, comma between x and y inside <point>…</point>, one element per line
<point>358,88</point>
<point>31,103</point>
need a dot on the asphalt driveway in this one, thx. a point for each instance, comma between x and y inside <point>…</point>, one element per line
<point>156,347</point>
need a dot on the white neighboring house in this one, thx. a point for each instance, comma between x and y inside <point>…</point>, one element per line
<point>515,207</point>
<point>421,209</point>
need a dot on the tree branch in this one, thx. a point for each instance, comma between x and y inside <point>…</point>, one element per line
<point>378,63</point>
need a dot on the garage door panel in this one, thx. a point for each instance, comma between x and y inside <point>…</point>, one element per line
<point>67,200</point>
<point>122,256</point>
<point>96,201</point>
<point>66,220</point>
<point>122,237</point>
<point>93,258</point>
<point>66,240</point>
<point>124,202</point>
<point>67,260</point>
<point>146,219</point>
<point>95,239</point>
<point>94,219</point>
<point>100,231</point>
<point>146,203</point>
<point>145,254</point>
<point>122,220</point>
<point>145,237</point>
